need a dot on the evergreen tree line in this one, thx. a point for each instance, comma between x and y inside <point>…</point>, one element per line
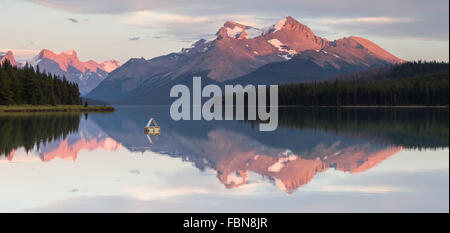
<point>410,83</point>
<point>31,86</point>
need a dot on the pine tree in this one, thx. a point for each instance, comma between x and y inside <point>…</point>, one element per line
<point>5,91</point>
<point>28,85</point>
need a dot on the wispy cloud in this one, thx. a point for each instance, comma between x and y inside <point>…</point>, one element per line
<point>360,189</point>
<point>152,19</point>
<point>72,20</point>
<point>367,20</point>
<point>170,16</point>
<point>134,38</point>
<point>180,21</point>
<point>184,27</point>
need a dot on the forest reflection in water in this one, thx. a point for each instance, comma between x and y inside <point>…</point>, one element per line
<point>32,130</point>
<point>308,140</point>
<point>410,128</point>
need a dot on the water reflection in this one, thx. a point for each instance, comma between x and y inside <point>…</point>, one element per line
<point>50,135</point>
<point>33,130</point>
<point>307,142</point>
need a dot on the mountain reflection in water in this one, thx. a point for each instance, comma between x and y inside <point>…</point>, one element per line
<point>308,141</point>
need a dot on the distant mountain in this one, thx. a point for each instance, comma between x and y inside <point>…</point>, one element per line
<point>289,49</point>
<point>86,74</point>
<point>8,56</point>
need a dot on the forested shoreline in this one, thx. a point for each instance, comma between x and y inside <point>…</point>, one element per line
<point>410,83</point>
<point>29,86</point>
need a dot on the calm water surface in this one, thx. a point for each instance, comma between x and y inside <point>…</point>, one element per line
<point>318,160</point>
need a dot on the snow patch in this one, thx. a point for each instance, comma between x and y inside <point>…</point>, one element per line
<point>235,32</point>
<point>280,24</point>
<point>323,51</point>
<point>282,48</point>
<point>252,32</point>
<point>285,56</point>
<point>276,27</point>
<point>235,178</point>
<point>277,166</point>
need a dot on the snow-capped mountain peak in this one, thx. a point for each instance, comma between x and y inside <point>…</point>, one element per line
<point>276,27</point>
<point>238,50</point>
<point>232,30</point>
<point>239,31</point>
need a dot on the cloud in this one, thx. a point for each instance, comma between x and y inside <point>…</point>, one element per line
<point>189,19</point>
<point>152,19</point>
<point>134,38</point>
<point>108,6</point>
<point>305,8</point>
<point>145,193</point>
<point>367,20</point>
<point>360,189</point>
<point>404,27</point>
<point>183,27</point>
<point>72,20</point>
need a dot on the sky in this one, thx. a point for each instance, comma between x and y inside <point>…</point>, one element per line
<point>122,29</point>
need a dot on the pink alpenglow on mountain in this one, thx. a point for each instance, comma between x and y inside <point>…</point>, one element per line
<point>109,66</point>
<point>7,56</point>
<point>86,74</point>
<point>285,52</point>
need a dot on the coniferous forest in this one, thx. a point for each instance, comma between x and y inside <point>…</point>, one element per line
<point>32,87</point>
<point>410,83</point>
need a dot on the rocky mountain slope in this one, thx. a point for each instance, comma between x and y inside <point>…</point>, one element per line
<point>8,56</point>
<point>86,74</point>
<point>236,51</point>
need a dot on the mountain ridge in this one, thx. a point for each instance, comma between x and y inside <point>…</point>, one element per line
<point>236,51</point>
<point>86,74</point>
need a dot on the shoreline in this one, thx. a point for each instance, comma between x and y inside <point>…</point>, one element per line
<point>57,108</point>
<point>364,106</point>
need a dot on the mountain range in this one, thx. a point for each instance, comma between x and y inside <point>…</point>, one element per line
<point>285,52</point>
<point>86,74</point>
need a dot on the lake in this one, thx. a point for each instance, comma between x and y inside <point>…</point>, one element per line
<point>318,160</point>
